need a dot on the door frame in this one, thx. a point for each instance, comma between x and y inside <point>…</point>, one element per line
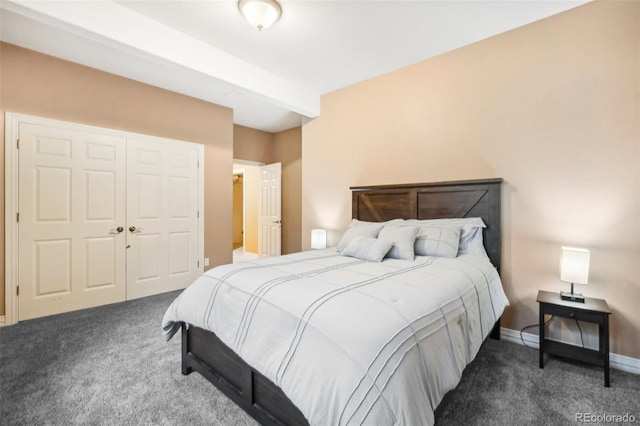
<point>242,165</point>
<point>241,171</point>
<point>12,129</point>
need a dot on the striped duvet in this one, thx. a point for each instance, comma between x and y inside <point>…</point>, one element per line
<point>350,342</point>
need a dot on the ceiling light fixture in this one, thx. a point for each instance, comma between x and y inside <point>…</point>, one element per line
<point>260,13</point>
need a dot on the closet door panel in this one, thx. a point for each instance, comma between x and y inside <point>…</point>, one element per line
<point>162,216</point>
<point>72,200</point>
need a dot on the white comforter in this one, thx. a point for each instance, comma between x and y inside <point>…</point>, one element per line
<point>348,341</point>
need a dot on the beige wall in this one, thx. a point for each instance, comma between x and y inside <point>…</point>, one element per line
<point>40,85</point>
<point>282,147</point>
<point>551,107</point>
<point>252,145</point>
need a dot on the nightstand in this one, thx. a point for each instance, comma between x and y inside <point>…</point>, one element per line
<point>592,310</point>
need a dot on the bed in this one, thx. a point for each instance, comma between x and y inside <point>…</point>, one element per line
<point>361,373</point>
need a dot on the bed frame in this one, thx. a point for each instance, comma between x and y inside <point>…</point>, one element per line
<point>203,352</point>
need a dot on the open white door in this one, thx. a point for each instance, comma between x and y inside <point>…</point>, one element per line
<point>270,217</point>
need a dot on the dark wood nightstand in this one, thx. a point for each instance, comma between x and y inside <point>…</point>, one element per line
<point>592,310</point>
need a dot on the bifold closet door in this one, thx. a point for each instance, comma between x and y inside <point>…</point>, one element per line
<point>162,216</point>
<point>71,220</point>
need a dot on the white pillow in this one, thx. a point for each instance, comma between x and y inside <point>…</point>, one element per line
<point>366,248</point>
<point>438,241</point>
<point>470,232</point>
<point>359,229</point>
<point>471,242</point>
<point>402,238</point>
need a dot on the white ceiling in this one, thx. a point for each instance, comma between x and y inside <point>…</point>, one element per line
<point>272,79</point>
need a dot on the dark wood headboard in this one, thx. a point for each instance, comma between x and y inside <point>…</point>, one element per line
<point>470,198</point>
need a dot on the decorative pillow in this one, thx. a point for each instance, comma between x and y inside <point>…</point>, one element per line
<point>359,229</point>
<point>470,232</point>
<point>402,238</point>
<point>367,248</point>
<point>438,241</point>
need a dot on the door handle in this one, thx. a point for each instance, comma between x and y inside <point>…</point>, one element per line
<point>117,230</point>
<point>277,221</point>
<point>134,230</point>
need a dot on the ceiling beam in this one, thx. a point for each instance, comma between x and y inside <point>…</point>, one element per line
<point>118,27</point>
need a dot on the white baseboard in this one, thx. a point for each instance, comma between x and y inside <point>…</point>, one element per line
<point>619,362</point>
<point>2,321</point>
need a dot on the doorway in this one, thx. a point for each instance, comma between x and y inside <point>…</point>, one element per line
<point>245,210</point>
<point>238,209</point>
<point>257,212</point>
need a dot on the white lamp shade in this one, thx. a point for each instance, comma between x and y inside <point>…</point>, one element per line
<point>574,265</point>
<point>318,239</point>
<point>260,13</point>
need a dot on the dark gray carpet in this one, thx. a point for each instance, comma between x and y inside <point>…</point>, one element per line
<point>504,386</point>
<point>104,366</point>
<point>111,366</point>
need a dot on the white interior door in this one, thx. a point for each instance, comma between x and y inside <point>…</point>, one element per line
<point>162,216</point>
<point>71,205</point>
<point>270,205</point>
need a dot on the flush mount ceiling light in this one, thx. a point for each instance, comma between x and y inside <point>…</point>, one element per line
<point>260,13</point>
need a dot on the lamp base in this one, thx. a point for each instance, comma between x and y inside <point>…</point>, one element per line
<point>573,297</point>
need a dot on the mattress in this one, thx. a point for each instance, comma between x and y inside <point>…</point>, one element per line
<point>350,341</point>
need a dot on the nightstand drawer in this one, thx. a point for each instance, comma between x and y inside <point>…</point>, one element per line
<point>566,312</point>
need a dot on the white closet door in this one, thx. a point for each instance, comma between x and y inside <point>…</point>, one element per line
<point>162,216</point>
<point>72,201</point>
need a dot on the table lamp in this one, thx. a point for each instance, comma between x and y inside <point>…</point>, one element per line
<point>318,239</point>
<point>574,269</point>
